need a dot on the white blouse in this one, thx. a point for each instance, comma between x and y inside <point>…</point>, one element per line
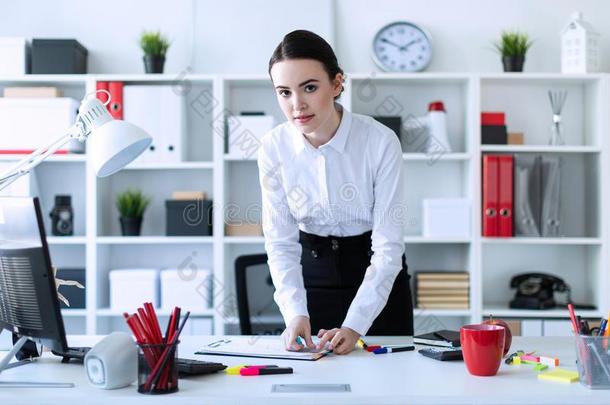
<point>348,186</point>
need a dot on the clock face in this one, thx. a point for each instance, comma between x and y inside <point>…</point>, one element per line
<point>402,47</point>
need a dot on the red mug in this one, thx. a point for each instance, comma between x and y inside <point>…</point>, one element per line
<point>483,348</point>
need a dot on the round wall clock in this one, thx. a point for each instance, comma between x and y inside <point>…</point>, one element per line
<point>402,47</point>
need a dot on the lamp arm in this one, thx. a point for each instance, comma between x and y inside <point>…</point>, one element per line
<point>25,165</point>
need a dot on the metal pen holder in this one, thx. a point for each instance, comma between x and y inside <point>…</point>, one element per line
<point>593,361</point>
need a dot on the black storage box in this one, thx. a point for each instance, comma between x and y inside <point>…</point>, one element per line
<point>392,122</point>
<point>494,135</point>
<point>188,217</point>
<point>58,56</point>
<point>74,295</point>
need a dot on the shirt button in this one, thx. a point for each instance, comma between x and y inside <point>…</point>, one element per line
<point>314,253</point>
<point>335,244</point>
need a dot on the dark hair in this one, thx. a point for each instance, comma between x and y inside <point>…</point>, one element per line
<point>302,44</point>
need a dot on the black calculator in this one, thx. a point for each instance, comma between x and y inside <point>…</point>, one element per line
<point>442,353</point>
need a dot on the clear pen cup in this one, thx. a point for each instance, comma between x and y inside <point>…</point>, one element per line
<point>158,368</point>
<point>593,353</point>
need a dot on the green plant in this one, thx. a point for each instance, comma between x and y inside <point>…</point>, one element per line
<point>132,203</point>
<point>513,43</point>
<point>154,43</point>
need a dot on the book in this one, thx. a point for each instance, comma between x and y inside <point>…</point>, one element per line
<point>454,292</point>
<point>443,284</point>
<point>442,276</point>
<point>440,298</point>
<point>271,347</point>
<point>444,305</point>
<point>444,338</point>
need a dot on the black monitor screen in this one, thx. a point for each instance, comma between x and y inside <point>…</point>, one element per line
<point>28,297</point>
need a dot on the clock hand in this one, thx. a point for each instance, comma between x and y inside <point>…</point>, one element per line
<point>406,46</point>
<point>390,42</point>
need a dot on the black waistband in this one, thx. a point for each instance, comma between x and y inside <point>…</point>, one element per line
<point>310,239</point>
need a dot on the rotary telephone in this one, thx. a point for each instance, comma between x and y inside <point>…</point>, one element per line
<point>535,290</point>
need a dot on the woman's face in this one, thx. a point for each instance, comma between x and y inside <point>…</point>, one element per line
<point>305,92</point>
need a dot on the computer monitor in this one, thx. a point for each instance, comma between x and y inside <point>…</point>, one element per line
<point>29,306</point>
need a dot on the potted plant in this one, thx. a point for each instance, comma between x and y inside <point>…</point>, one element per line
<point>513,46</point>
<point>155,46</point>
<point>131,205</point>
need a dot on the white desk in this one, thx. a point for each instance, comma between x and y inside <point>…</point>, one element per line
<point>398,378</point>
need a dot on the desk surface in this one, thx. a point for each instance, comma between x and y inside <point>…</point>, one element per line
<point>406,377</point>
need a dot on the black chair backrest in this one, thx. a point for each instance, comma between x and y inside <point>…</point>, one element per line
<point>254,289</point>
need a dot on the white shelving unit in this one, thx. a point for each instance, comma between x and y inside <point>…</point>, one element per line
<point>580,257</point>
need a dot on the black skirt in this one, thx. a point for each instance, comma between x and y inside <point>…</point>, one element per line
<point>333,270</point>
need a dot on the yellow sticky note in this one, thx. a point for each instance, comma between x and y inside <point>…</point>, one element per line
<point>559,374</point>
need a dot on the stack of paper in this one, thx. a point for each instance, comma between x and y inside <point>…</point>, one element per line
<point>258,346</point>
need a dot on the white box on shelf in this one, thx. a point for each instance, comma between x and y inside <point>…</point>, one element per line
<point>14,56</point>
<point>199,326</point>
<point>531,327</point>
<point>159,110</point>
<point>130,288</point>
<point>245,133</point>
<point>186,288</point>
<point>446,217</point>
<point>558,327</point>
<point>29,123</point>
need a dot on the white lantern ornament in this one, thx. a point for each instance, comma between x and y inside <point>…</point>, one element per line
<point>579,47</point>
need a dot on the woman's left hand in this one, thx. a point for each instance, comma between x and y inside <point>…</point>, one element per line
<point>342,340</point>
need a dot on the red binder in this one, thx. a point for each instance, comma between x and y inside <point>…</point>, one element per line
<point>493,118</point>
<point>116,100</point>
<point>505,196</point>
<point>490,195</point>
<point>103,97</point>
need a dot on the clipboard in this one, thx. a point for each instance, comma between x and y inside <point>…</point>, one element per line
<point>268,347</point>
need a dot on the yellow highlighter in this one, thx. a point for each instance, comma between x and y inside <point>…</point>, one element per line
<point>234,370</point>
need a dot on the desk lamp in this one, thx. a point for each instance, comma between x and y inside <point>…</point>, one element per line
<point>112,143</point>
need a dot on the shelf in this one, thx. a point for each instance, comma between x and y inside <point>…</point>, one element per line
<point>435,156</point>
<point>66,240</point>
<point>540,149</point>
<point>171,166</point>
<point>275,318</point>
<point>152,240</point>
<point>423,240</point>
<point>244,239</point>
<point>541,241</point>
<point>441,312</point>
<point>541,77</point>
<point>59,158</point>
<point>69,312</point>
<point>108,312</point>
<point>171,78</point>
<point>50,78</point>
<point>503,311</point>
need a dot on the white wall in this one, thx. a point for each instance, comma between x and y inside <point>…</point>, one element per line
<point>238,36</point>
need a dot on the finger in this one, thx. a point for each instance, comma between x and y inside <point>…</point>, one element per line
<point>310,344</point>
<point>322,332</point>
<point>326,337</point>
<point>336,340</point>
<point>292,343</point>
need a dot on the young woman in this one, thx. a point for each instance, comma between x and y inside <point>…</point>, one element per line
<point>333,207</point>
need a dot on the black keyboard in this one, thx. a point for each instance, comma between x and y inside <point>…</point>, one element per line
<point>187,367</point>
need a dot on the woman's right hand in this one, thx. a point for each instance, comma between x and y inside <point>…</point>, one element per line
<point>299,326</point>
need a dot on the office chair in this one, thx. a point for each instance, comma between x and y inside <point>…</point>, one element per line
<point>254,289</point>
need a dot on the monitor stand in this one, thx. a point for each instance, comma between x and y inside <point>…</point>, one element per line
<point>5,364</point>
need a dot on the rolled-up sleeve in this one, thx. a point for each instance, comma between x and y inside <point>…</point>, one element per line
<point>281,236</point>
<point>387,239</point>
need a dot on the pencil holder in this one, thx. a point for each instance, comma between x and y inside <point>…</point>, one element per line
<point>593,361</point>
<point>157,368</point>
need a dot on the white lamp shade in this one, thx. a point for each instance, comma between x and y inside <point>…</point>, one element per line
<point>115,144</point>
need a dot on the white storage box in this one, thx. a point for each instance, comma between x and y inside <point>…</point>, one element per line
<point>131,288</point>
<point>245,134</point>
<point>187,289</point>
<point>446,218</point>
<point>160,111</point>
<point>14,56</point>
<point>29,123</point>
